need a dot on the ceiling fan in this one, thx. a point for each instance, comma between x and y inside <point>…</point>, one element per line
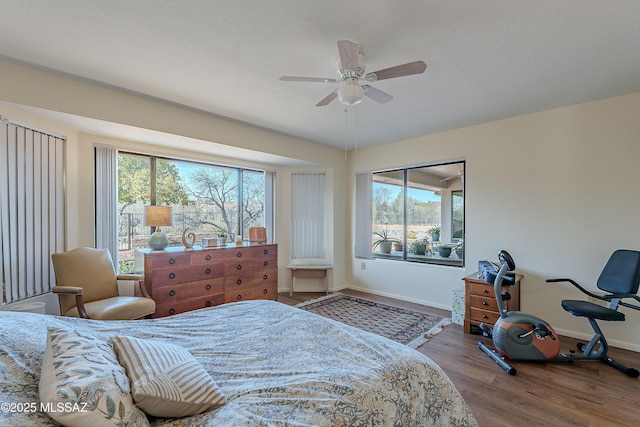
<point>351,71</point>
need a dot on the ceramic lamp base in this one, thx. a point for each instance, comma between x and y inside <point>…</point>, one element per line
<point>158,241</point>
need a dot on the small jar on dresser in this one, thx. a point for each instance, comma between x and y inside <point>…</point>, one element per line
<point>180,279</point>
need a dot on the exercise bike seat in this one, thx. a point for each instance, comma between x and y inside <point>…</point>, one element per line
<point>591,310</point>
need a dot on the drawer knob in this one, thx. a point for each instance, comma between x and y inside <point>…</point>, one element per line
<point>207,271</point>
<point>239,266</point>
<point>208,304</point>
<point>239,282</point>
<point>265,263</point>
<point>172,311</point>
<point>239,254</point>
<point>172,293</point>
<point>239,297</point>
<point>266,291</point>
<point>265,277</point>
<point>266,251</point>
<point>208,257</point>
<point>484,291</point>
<point>484,316</point>
<point>172,261</point>
<point>208,287</point>
<point>485,303</point>
<point>172,276</point>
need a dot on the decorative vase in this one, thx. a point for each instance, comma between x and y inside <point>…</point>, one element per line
<point>435,236</point>
<point>419,249</point>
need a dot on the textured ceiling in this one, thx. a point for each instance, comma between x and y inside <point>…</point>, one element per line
<point>487,60</point>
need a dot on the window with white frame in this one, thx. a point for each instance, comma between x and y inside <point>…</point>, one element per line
<point>417,214</point>
<point>207,200</point>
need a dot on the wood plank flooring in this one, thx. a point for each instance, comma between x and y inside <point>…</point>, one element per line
<point>541,394</point>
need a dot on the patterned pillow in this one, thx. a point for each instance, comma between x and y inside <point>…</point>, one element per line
<point>82,384</point>
<point>166,380</point>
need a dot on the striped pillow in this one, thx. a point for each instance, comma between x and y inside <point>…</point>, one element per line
<point>166,380</point>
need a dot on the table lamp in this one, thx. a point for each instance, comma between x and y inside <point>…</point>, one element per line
<point>158,216</point>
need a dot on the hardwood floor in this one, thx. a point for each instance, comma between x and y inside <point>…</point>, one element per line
<point>541,394</point>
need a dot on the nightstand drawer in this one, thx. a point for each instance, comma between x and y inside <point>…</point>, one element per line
<point>489,317</point>
<point>484,303</point>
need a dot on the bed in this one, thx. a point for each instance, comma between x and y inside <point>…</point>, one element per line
<point>276,365</point>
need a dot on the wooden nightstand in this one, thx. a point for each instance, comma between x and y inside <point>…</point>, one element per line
<point>480,305</point>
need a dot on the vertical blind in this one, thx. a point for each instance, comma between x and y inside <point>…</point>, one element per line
<point>31,208</point>
<point>106,203</point>
<point>307,215</point>
<point>363,216</point>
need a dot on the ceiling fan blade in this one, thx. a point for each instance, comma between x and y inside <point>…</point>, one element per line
<point>349,54</point>
<point>327,99</point>
<point>408,69</point>
<point>307,79</point>
<point>376,94</point>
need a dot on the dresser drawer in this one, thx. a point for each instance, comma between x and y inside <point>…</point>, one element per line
<point>168,309</point>
<point>484,303</point>
<point>171,276</point>
<point>248,266</point>
<point>248,278</point>
<point>249,293</point>
<point>488,317</point>
<point>169,294</point>
<point>481,290</point>
<point>170,260</point>
<point>207,256</point>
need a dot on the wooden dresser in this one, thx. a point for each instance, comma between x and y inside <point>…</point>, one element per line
<point>480,305</point>
<point>180,280</point>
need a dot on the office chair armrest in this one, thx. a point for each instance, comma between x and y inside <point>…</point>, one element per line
<point>583,290</point>
<point>73,290</point>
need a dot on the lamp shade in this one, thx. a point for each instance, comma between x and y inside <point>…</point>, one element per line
<point>157,216</point>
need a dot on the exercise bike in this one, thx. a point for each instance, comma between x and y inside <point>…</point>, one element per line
<point>521,336</point>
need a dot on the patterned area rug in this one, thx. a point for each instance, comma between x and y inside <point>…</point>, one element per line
<point>405,326</point>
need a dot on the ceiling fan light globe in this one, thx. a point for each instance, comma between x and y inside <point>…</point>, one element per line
<point>350,93</point>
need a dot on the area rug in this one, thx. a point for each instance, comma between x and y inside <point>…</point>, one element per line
<point>405,326</point>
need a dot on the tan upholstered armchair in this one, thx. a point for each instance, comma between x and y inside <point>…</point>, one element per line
<point>87,286</point>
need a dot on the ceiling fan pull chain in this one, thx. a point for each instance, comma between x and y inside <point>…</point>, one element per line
<point>346,128</point>
<point>356,128</point>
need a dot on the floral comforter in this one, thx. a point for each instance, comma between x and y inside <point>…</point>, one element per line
<point>277,366</point>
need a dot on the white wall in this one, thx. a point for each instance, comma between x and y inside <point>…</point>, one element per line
<point>557,189</point>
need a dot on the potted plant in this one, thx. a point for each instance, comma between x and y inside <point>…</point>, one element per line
<point>421,246</point>
<point>222,237</point>
<point>384,241</point>
<point>435,233</point>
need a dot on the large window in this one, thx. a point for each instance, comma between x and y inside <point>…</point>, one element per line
<point>206,199</point>
<point>418,214</point>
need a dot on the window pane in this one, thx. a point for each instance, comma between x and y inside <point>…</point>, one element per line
<point>253,200</point>
<point>134,192</point>
<point>388,214</point>
<point>212,206</point>
<point>434,213</point>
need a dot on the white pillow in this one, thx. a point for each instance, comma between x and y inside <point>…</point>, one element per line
<point>82,384</point>
<point>166,380</point>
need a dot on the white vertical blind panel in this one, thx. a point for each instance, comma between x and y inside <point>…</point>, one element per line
<point>269,201</point>
<point>307,215</point>
<point>106,190</point>
<point>31,209</point>
<point>363,219</point>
